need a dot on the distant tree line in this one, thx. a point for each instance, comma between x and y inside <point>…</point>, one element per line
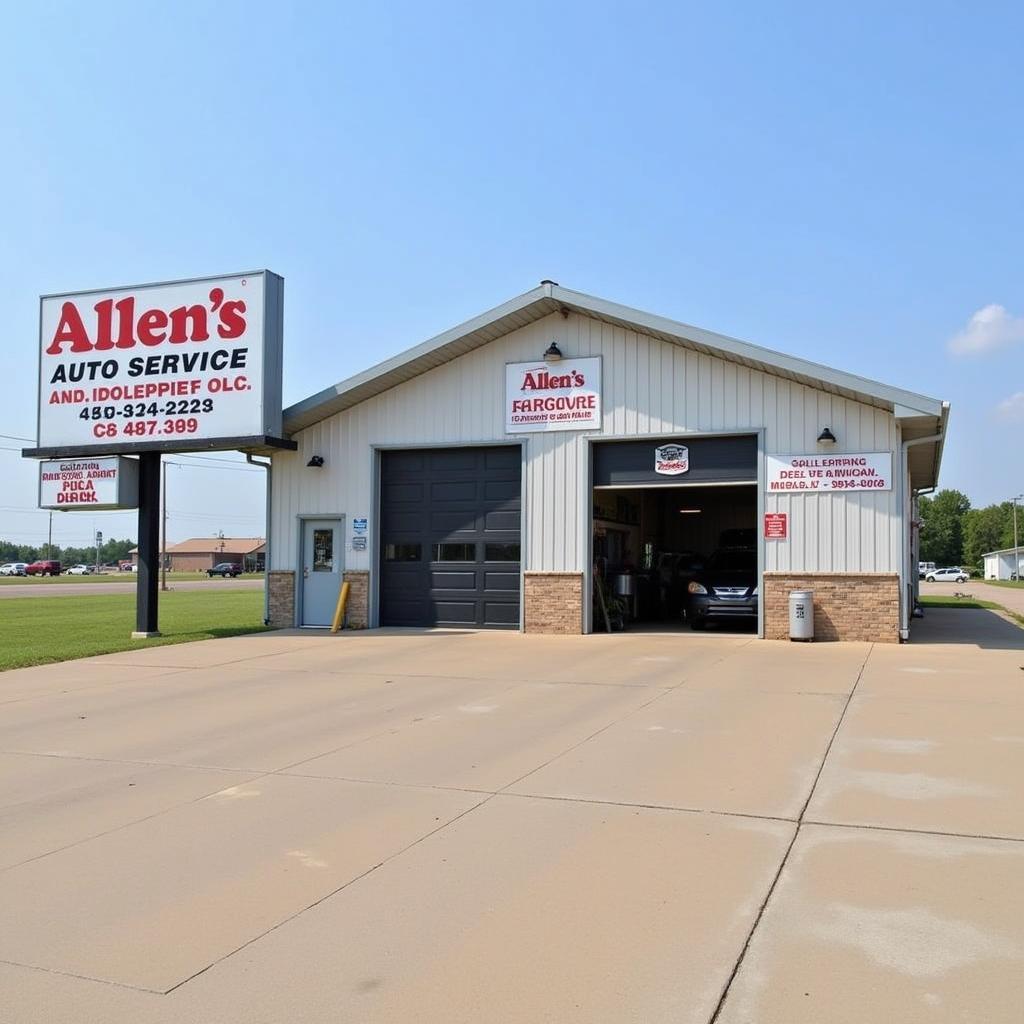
<point>111,551</point>
<point>953,533</point>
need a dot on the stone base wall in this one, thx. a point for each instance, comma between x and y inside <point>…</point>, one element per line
<point>553,602</point>
<point>847,606</point>
<point>357,611</point>
<point>281,584</point>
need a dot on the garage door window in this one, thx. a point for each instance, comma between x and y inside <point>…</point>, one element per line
<point>502,553</point>
<point>402,552</point>
<point>454,553</point>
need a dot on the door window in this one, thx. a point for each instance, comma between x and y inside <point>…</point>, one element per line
<point>323,551</point>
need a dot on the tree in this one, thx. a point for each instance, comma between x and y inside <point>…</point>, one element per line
<point>942,527</point>
<point>987,529</point>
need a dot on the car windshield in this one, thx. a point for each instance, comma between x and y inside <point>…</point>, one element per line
<point>731,561</point>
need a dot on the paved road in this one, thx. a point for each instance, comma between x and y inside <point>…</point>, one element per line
<point>128,587</point>
<point>464,827</point>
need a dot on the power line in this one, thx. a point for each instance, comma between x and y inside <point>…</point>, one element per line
<point>16,437</point>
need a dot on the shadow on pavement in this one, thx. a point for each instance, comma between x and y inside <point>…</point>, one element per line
<point>978,627</point>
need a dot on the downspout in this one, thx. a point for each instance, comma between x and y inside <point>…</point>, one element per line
<point>269,467</point>
<point>905,611</point>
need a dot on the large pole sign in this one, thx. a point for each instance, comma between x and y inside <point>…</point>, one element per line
<point>181,366</point>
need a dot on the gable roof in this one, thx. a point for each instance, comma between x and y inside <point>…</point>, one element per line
<point>922,416</point>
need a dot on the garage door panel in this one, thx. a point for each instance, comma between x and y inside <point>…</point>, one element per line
<point>505,581</point>
<point>504,521</point>
<point>459,510</point>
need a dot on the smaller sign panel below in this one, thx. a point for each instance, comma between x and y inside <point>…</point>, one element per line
<point>775,525</point>
<point>672,459</point>
<point>865,471</point>
<point>97,484</point>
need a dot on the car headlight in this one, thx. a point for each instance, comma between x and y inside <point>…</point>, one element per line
<point>696,588</point>
<point>753,593</point>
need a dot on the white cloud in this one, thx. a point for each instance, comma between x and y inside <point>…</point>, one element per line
<point>989,328</point>
<point>1012,408</point>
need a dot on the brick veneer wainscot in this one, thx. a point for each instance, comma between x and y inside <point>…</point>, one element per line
<point>281,584</point>
<point>847,606</point>
<point>357,611</point>
<point>553,602</point>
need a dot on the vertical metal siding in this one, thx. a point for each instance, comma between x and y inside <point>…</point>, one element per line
<point>650,387</point>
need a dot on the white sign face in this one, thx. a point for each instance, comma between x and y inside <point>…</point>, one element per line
<point>161,367</point>
<point>93,484</point>
<point>565,395</point>
<point>672,459</point>
<point>868,471</point>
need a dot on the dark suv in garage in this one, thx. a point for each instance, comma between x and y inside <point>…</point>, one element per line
<point>725,589</point>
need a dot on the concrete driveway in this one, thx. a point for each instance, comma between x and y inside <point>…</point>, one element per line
<point>388,827</point>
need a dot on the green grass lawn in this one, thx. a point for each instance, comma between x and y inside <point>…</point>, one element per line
<point>109,577</point>
<point>929,601</point>
<point>40,630</point>
<point>1004,583</point>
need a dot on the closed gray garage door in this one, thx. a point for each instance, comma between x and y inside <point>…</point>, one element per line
<point>450,544</point>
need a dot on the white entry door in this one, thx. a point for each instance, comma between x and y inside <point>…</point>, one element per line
<point>321,570</point>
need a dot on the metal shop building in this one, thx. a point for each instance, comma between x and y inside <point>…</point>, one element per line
<point>524,469</point>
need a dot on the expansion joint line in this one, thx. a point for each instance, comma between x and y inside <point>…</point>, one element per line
<point>789,849</point>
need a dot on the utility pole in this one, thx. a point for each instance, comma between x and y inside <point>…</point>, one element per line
<point>49,538</point>
<point>99,541</point>
<point>1016,549</point>
<point>163,515</point>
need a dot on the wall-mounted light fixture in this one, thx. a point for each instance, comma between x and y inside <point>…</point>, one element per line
<point>690,511</point>
<point>826,437</point>
<point>316,462</point>
<point>553,354</point>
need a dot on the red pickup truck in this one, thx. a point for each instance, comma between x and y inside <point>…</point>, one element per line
<point>43,567</point>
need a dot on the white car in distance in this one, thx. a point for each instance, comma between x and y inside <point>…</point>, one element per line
<point>953,574</point>
<point>13,568</point>
<point>80,570</point>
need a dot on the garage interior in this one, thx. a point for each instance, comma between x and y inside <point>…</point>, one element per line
<point>652,535</point>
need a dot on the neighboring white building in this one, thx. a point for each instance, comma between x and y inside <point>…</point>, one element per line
<point>999,564</point>
<point>432,483</point>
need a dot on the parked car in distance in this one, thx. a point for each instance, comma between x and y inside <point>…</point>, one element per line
<point>954,574</point>
<point>725,589</point>
<point>923,568</point>
<point>43,567</point>
<point>80,570</point>
<point>13,568</point>
<point>225,569</point>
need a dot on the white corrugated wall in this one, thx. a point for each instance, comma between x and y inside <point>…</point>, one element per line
<point>650,387</point>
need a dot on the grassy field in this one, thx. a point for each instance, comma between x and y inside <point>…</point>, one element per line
<point>40,630</point>
<point>1004,583</point>
<point>109,577</point>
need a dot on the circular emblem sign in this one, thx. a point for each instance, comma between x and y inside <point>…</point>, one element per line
<point>671,459</point>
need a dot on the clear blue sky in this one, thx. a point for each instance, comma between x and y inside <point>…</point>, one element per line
<point>843,184</point>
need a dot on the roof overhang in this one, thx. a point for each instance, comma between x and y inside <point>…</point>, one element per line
<point>551,298</point>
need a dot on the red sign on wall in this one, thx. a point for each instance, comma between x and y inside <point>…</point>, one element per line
<point>775,525</point>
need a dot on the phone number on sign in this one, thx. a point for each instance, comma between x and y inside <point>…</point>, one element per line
<point>187,406</point>
<point>147,428</point>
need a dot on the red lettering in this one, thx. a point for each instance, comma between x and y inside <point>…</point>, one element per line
<point>232,323</point>
<point>126,311</point>
<point>70,329</point>
<point>149,323</point>
<point>104,322</point>
<point>179,317</point>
